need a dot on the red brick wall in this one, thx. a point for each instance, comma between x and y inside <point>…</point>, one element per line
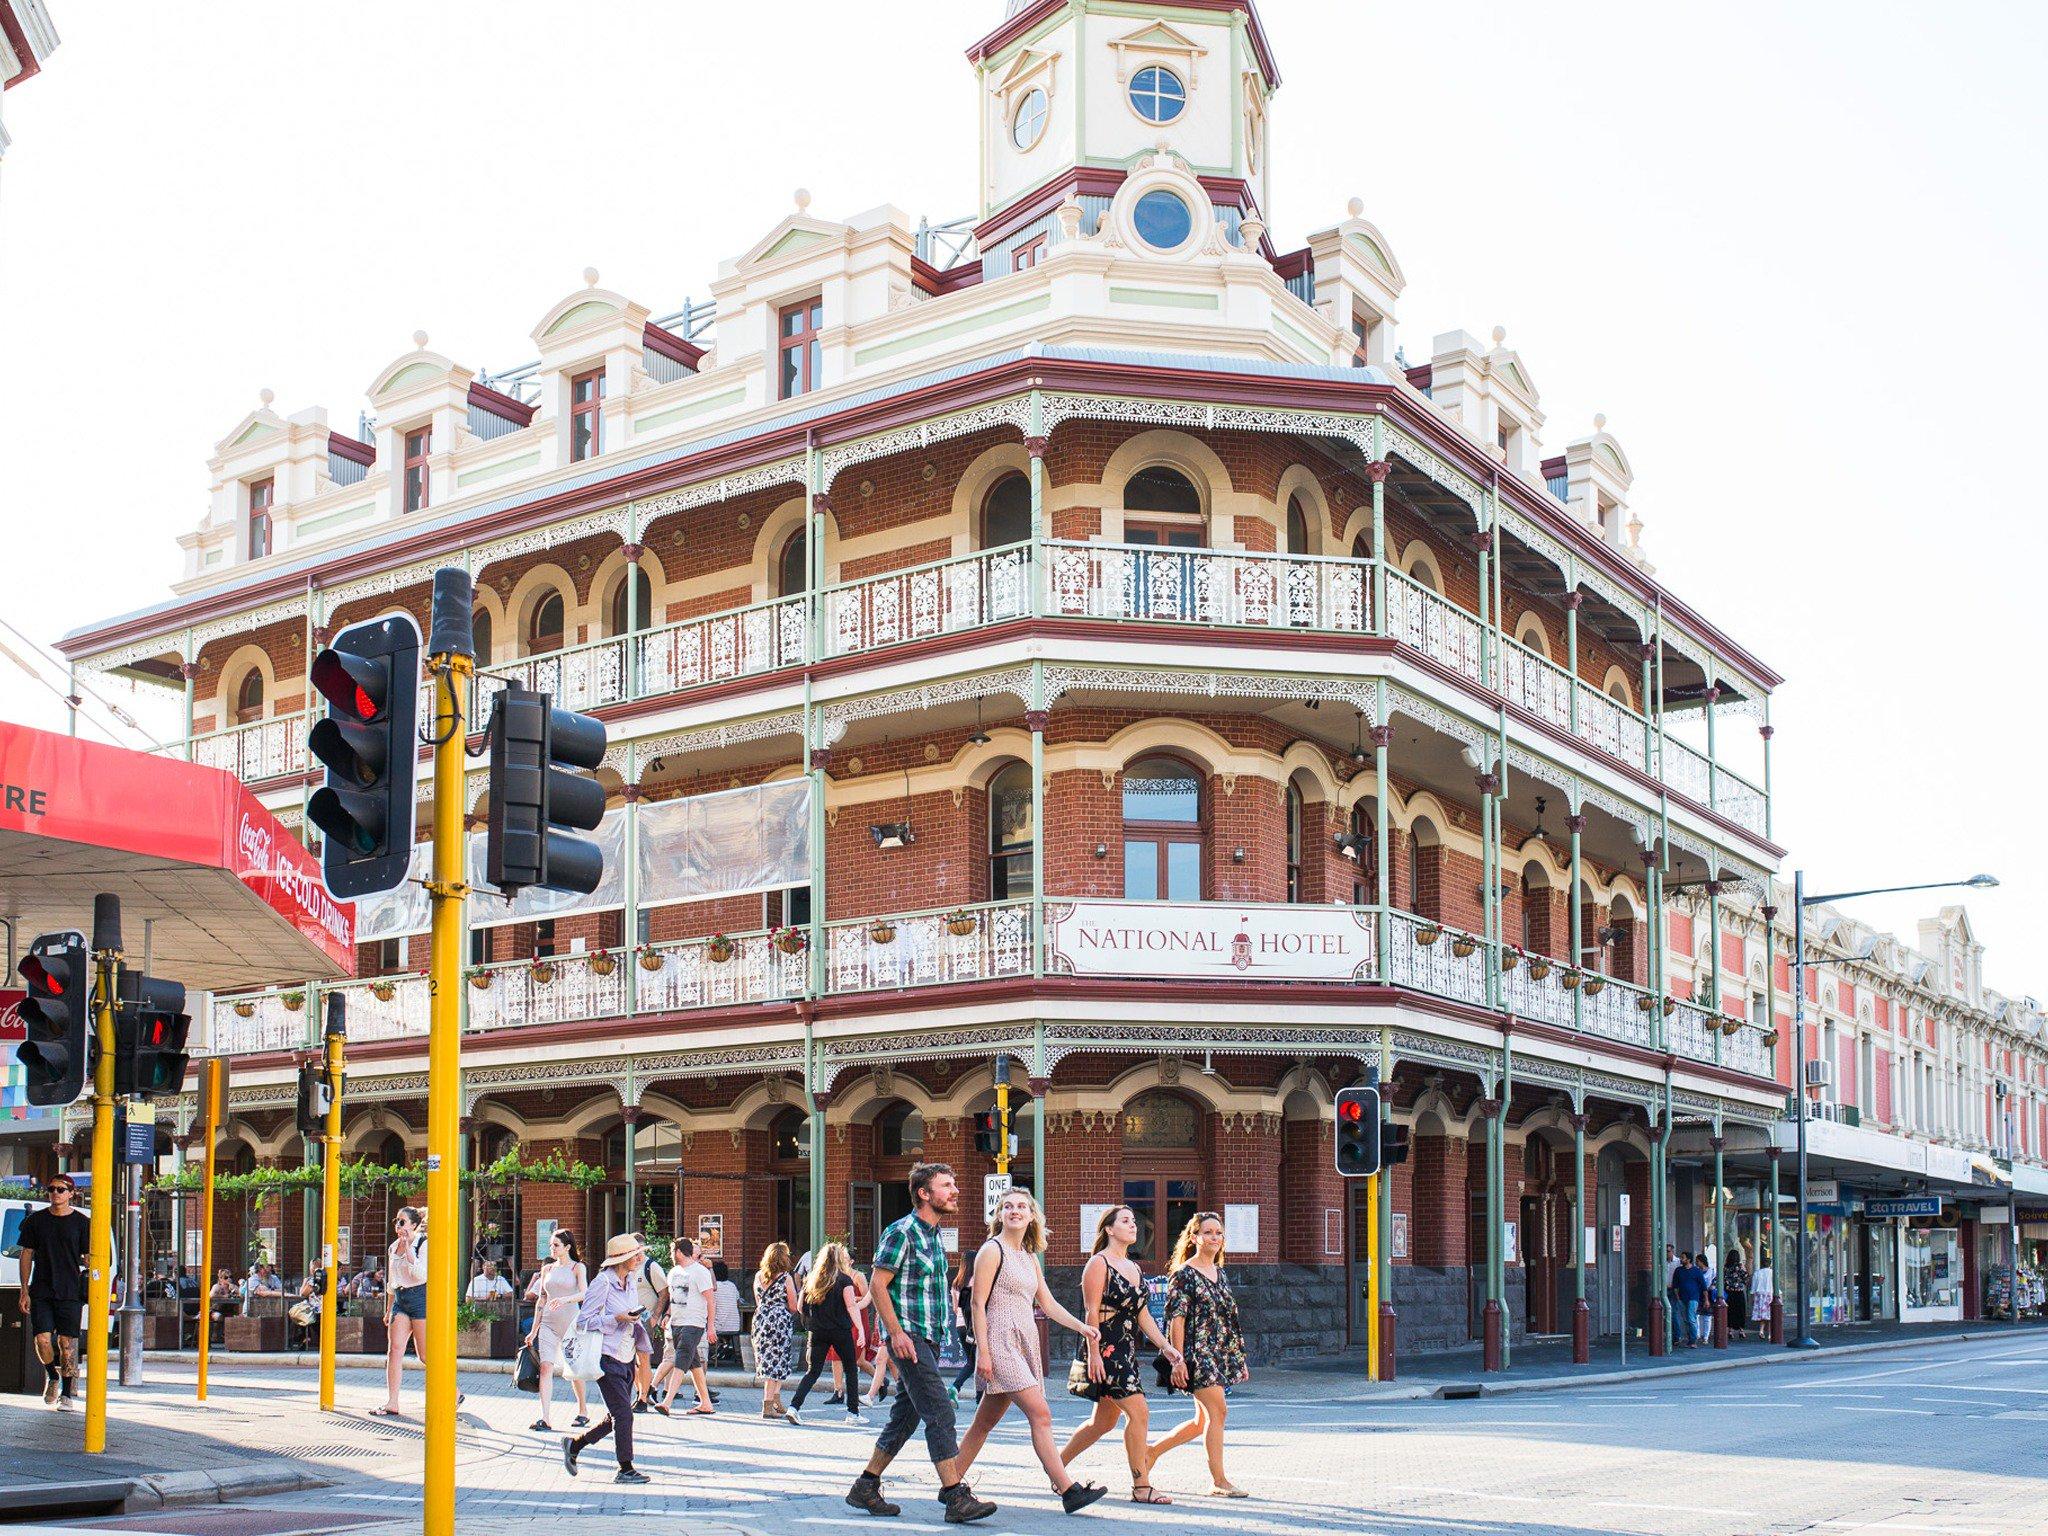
<point>1437,1233</point>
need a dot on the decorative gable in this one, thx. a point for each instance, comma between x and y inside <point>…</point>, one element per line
<point>1157,41</point>
<point>1030,68</point>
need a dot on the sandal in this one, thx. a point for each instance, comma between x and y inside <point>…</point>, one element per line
<point>1227,1491</point>
<point>699,1411</point>
<point>381,1412</point>
<point>1145,1493</point>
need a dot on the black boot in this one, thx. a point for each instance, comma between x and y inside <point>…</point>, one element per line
<point>962,1506</point>
<point>866,1494</point>
<point>1079,1496</point>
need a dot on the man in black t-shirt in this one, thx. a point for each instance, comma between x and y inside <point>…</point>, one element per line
<point>54,1245</point>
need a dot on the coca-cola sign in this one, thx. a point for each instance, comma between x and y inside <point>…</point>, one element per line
<point>1211,940</point>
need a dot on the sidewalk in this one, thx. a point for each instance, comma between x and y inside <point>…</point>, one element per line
<point>1545,1365</point>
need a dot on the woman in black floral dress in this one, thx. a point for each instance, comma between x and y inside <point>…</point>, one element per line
<point>1201,1317</point>
<point>1113,1297</point>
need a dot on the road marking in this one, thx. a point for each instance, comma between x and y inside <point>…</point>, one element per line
<point>1901,1370</point>
<point>1895,1525</point>
<point>1925,1413</point>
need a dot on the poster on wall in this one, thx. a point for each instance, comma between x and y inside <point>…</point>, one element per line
<point>1241,1229</point>
<point>1090,1215</point>
<point>264,1249</point>
<point>711,1236</point>
<point>1333,1233</point>
<point>1509,1252</point>
<point>543,1234</point>
<point>1590,1254</point>
<point>341,1249</point>
<point>1400,1235</point>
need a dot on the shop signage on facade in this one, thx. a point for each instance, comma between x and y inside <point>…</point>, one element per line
<point>1211,940</point>
<point>1909,1205</point>
<point>1823,1191</point>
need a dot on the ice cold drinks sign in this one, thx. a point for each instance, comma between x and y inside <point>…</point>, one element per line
<point>1210,940</point>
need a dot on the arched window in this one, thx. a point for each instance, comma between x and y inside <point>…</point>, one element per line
<point>249,697</point>
<point>1423,569</point>
<point>1006,513</point>
<point>899,1132</point>
<point>1415,872</point>
<point>1365,847</point>
<point>1531,635</point>
<point>789,1137</point>
<point>1163,830</point>
<point>544,626</point>
<point>1297,528</point>
<point>643,597</point>
<point>792,565</point>
<point>1294,812</point>
<point>1164,491</point>
<point>1012,838</point>
<point>1535,914</point>
<point>480,633</point>
<point>1162,1168</point>
<point>1361,548</point>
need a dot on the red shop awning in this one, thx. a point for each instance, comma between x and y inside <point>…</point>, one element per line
<point>234,899</point>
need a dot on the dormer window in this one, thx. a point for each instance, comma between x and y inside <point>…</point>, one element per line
<point>1028,126</point>
<point>802,354</point>
<point>1028,255</point>
<point>586,416</point>
<point>261,494</point>
<point>418,444</point>
<point>1157,94</point>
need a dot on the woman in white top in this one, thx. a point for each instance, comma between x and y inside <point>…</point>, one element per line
<point>405,1302</point>
<point>1763,1290</point>
<point>557,1293</point>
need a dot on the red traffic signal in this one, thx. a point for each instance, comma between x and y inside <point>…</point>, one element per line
<point>53,1015</point>
<point>1358,1131</point>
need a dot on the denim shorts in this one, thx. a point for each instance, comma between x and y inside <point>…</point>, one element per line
<point>410,1301</point>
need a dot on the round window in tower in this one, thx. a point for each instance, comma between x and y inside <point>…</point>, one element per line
<point>1163,221</point>
<point>1028,126</point>
<point>1157,94</point>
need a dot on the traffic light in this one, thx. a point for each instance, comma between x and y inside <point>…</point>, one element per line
<point>55,1017</point>
<point>311,1113</point>
<point>150,1026</point>
<point>535,790</point>
<point>1393,1143</point>
<point>1358,1131</point>
<point>370,677</point>
<point>988,1128</point>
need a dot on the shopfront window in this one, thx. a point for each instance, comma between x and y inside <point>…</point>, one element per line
<point>1933,1278</point>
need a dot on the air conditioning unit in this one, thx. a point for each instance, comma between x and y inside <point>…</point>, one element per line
<point>1823,1109</point>
<point>1819,1074</point>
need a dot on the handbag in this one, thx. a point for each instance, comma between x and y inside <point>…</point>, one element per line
<point>1163,1369</point>
<point>583,1355</point>
<point>1077,1376</point>
<point>526,1374</point>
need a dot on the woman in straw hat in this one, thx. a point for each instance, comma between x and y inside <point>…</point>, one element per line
<point>611,1306</point>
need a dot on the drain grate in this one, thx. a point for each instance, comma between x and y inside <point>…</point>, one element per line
<point>334,1451</point>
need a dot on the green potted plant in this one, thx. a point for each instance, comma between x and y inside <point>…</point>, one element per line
<point>1594,986</point>
<point>479,977</point>
<point>603,963</point>
<point>650,958</point>
<point>720,949</point>
<point>294,1000</point>
<point>789,939</point>
<point>962,923</point>
<point>473,1330</point>
<point>1539,967</point>
<point>543,969</point>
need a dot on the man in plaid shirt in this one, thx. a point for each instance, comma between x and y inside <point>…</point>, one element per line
<point>911,1293</point>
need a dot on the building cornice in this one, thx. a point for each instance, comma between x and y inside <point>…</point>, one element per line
<point>1031,16</point>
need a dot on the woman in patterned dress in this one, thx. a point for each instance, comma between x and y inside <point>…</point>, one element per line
<point>1007,1283</point>
<point>1201,1317</point>
<point>775,1307</point>
<point>1113,1293</point>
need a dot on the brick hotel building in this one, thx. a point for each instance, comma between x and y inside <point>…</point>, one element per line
<point>1087,633</point>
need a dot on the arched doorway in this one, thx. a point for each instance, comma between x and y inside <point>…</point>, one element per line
<point>1162,1168</point>
<point>789,1160</point>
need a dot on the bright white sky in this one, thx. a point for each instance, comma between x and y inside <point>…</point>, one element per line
<point>1776,244</point>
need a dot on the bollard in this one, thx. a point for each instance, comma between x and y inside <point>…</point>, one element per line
<point>1582,1332</point>
<point>1660,1343</point>
<point>1720,1325</point>
<point>1490,1350</point>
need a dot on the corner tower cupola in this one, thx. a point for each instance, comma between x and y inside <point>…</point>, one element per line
<point>1075,93</point>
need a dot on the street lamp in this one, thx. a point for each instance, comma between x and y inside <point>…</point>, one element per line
<point>1801,1338</point>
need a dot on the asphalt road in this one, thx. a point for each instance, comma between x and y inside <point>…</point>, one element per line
<point>1941,1441</point>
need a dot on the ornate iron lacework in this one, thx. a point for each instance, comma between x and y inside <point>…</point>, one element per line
<point>1628,815</point>
<point>244,623</point>
<point>1438,468</point>
<point>833,719</point>
<point>1436,717</point>
<point>141,650</point>
<point>611,520</point>
<point>1750,706</point>
<point>838,1057</point>
<point>382,584</point>
<point>785,472</point>
<point>1056,408</point>
<point>1597,582</point>
<point>704,738</point>
<point>1014,412</point>
<point>1525,528</point>
<point>1690,649</point>
<point>1354,692</point>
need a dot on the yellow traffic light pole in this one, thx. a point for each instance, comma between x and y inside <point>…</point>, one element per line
<point>330,1218</point>
<point>1372,1277</point>
<point>449,674</point>
<point>100,1291</point>
<point>1003,1127</point>
<point>210,1092</point>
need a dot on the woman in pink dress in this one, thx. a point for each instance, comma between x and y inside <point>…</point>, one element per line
<point>1007,1284</point>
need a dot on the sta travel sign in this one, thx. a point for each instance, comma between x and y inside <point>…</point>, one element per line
<point>1209,941</point>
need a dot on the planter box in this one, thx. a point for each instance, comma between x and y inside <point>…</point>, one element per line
<point>474,1343</point>
<point>160,1332</point>
<point>360,1336</point>
<point>255,1335</point>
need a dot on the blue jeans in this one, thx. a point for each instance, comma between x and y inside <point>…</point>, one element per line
<point>1681,1322</point>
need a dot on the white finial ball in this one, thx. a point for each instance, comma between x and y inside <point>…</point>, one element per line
<point>590,277</point>
<point>803,198</point>
<point>1356,208</point>
<point>419,339</point>
<point>1599,422</point>
<point>266,397</point>
<point>1500,334</point>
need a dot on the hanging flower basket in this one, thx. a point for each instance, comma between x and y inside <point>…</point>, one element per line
<point>720,949</point>
<point>1428,934</point>
<point>1670,1006</point>
<point>244,1009</point>
<point>791,941</point>
<point>1540,968</point>
<point>383,991</point>
<point>882,933</point>
<point>1595,985</point>
<point>961,924</point>
<point>1645,1003</point>
<point>295,1001</point>
<point>1510,958</point>
<point>651,961</point>
<point>543,972</point>
<point>1730,1026</point>
<point>1462,946</point>
<point>1770,1039</point>
<point>480,979</point>
<point>603,963</point>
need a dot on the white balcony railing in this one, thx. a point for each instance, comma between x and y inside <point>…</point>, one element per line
<point>929,948</point>
<point>1435,626</point>
<point>581,677</point>
<point>259,1021</point>
<point>1202,586</point>
<point>550,991</point>
<point>263,749</point>
<point>383,1007</point>
<point>743,642</point>
<point>922,601</point>
<point>697,973</point>
<point>1425,955</point>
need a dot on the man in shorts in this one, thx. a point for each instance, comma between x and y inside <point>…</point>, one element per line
<point>690,1285</point>
<point>54,1247</point>
<point>911,1291</point>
